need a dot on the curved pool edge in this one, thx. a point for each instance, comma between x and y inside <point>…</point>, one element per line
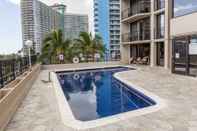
<point>160,103</point>
<point>69,120</point>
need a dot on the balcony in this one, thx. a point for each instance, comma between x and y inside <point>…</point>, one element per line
<point>137,12</point>
<point>159,35</point>
<point>135,37</point>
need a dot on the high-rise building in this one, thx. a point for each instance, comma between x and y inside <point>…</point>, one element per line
<point>114,22</point>
<point>107,24</point>
<point>38,19</point>
<point>74,24</point>
<point>145,31</point>
<point>160,33</point>
<point>61,8</point>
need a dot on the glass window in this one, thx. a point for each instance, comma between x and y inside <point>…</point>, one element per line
<point>159,4</point>
<point>183,7</point>
<point>193,50</point>
<point>160,29</point>
<point>193,46</point>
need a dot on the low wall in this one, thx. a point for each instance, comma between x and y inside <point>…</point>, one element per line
<point>13,94</point>
<point>64,66</point>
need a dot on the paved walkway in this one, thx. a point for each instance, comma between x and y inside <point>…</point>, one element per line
<point>39,110</point>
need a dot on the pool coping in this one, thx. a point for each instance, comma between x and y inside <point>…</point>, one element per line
<point>69,120</point>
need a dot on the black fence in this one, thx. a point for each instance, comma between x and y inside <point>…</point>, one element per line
<point>10,69</point>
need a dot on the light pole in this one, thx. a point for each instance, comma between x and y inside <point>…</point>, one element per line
<point>29,44</point>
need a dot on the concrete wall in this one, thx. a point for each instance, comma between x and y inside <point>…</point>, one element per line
<point>80,65</point>
<point>167,41</point>
<point>124,49</point>
<point>184,25</point>
<point>125,53</point>
<point>12,95</point>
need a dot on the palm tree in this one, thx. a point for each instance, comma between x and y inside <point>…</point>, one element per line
<point>85,41</point>
<point>54,45</point>
<point>89,45</point>
<point>98,46</point>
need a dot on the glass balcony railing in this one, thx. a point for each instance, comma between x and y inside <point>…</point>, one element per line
<point>135,36</point>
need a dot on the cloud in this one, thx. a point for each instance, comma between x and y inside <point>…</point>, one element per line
<point>185,7</point>
<point>16,2</point>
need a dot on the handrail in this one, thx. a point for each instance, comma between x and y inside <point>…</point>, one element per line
<point>11,68</point>
<point>138,9</point>
<point>135,36</point>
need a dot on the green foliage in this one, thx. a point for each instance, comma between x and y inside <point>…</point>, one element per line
<point>8,56</point>
<point>54,45</point>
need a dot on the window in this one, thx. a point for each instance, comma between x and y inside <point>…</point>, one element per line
<point>159,4</point>
<point>140,30</point>
<point>193,50</point>
<point>185,54</point>
<point>183,7</point>
<point>160,29</point>
<point>193,45</point>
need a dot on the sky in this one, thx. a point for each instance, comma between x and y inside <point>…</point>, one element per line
<point>183,7</point>
<point>10,23</point>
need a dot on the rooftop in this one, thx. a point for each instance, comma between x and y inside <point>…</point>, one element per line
<point>39,110</point>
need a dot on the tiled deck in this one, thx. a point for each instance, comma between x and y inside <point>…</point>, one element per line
<point>39,110</point>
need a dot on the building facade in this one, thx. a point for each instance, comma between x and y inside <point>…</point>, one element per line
<point>107,25</point>
<point>162,31</point>
<point>61,8</point>
<point>101,20</point>
<point>114,22</point>
<point>183,30</point>
<point>74,24</point>
<point>38,19</point>
<point>145,31</point>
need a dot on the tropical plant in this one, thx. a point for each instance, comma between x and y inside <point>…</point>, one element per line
<point>90,45</point>
<point>54,45</point>
<point>98,46</point>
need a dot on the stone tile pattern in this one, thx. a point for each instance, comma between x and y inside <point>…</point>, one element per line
<point>39,111</point>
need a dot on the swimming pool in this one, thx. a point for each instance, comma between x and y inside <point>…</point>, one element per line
<point>96,93</point>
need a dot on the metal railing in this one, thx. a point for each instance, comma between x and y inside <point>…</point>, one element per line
<point>135,10</point>
<point>159,34</point>
<point>10,69</point>
<point>135,36</point>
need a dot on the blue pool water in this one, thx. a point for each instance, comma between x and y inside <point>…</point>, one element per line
<point>94,94</point>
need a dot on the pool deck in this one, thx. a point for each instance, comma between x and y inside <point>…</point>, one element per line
<point>39,111</point>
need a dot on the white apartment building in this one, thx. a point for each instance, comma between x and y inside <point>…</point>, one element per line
<point>74,24</point>
<point>38,19</point>
<point>114,23</point>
